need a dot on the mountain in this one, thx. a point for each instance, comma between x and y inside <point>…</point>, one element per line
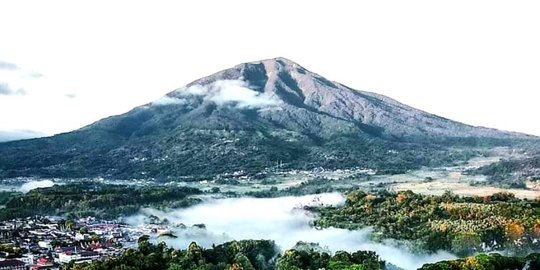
<point>250,117</point>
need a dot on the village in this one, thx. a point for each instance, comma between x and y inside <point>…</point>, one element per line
<point>49,243</point>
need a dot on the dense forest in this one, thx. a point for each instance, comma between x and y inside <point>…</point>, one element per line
<point>92,199</point>
<point>265,255</point>
<point>492,261</point>
<point>512,173</point>
<point>251,152</point>
<point>316,185</point>
<point>236,255</point>
<point>462,225</point>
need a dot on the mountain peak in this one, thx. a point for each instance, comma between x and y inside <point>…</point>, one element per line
<point>271,66</point>
<point>246,118</point>
<point>282,60</point>
<point>276,60</point>
<point>303,100</point>
<point>260,75</point>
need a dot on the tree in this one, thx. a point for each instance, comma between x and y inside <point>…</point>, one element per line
<point>83,230</point>
<point>514,232</point>
<point>243,261</point>
<point>465,243</point>
<point>69,224</point>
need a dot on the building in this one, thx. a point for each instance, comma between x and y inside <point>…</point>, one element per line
<point>12,265</point>
<point>27,259</point>
<point>45,264</point>
<point>78,257</point>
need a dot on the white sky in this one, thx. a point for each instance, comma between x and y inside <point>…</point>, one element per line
<point>473,61</point>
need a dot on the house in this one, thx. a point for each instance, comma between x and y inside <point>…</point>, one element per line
<point>78,257</point>
<point>27,259</point>
<point>45,264</point>
<point>12,265</point>
<point>45,244</point>
<point>82,236</point>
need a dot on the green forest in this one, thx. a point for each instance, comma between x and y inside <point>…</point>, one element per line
<point>92,199</point>
<point>512,173</point>
<point>265,255</point>
<point>462,225</point>
<point>236,255</point>
<point>492,261</point>
<point>465,226</point>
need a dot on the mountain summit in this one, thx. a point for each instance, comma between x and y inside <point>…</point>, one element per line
<point>249,117</point>
<point>287,94</point>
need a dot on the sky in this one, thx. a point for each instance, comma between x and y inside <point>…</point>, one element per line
<point>66,64</point>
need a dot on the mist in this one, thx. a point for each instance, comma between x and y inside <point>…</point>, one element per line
<point>236,92</point>
<point>13,135</point>
<point>35,184</point>
<point>166,100</point>
<point>280,219</point>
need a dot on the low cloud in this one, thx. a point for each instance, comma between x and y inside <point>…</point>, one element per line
<point>35,75</point>
<point>35,184</point>
<point>280,219</point>
<point>6,90</point>
<point>15,79</point>
<point>234,92</point>
<point>8,66</point>
<point>239,93</point>
<point>13,135</point>
<point>167,100</point>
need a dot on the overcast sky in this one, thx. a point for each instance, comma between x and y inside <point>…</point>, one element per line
<point>64,64</point>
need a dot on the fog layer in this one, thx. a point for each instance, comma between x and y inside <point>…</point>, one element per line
<point>35,184</point>
<point>279,219</point>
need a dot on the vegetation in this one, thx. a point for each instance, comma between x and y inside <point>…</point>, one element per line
<point>11,250</point>
<point>512,173</point>
<point>236,255</point>
<point>487,262</point>
<point>463,225</point>
<point>98,200</point>
<point>264,255</point>
<point>312,260</point>
<point>316,185</point>
<point>5,195</point>
<point>184,152</point>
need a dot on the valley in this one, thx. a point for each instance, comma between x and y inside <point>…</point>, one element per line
<point>239,207</point>
<point>431,181</point>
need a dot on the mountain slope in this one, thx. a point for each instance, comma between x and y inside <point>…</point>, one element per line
<point>250,117</point>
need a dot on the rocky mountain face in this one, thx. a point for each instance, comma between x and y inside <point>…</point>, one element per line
<point>250,117</point>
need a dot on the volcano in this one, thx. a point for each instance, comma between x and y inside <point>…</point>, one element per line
<point>252,117</point>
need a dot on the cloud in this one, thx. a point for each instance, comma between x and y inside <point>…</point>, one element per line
<point>238,92</point>
<point>35,184</point>
<point>34,75</point>
<point>235,92</point>
<point>12,67</point>
<point>15,80</point>
<point>6,90</point>
<point>13,135</point>
<point>70,95</point>
<point>167,100</point>
<point>197,90</point>
<point>280,219</point>
<point>8,66</point>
